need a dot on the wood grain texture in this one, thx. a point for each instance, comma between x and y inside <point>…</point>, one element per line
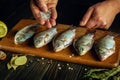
<point>90,58</point>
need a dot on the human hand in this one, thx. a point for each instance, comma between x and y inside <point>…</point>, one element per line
<point>38,6</point>
<point>101,15</point>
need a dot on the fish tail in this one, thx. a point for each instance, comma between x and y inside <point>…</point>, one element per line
<point>35,24</point>
<point>72,26</point>
<point>91,31</point>
<point>113,34</point>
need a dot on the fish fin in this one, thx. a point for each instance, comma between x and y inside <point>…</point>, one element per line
<point>74,46</point>
<point>53,41</point>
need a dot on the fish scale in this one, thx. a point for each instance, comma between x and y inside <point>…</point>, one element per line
<point>105,47</point>
<point>43,38</point>
<point>25,33</point>
<point>84,43</point>
<point>63,40</point>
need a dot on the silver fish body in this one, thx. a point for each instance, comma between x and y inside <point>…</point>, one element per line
<point>25,33</point>
<point>63,40</point>
<point>105,47</point>
<point>44,37</point>
<point>83,44</point>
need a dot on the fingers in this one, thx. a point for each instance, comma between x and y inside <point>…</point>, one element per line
<point>91,23</point>
<point>86,16</point>
<point>36,13</point>
<point>96,22</point>
<point>103,25</point>
<point>53,16</point>
<point>54,13</point>
<point>52,21</point>
<point>92,20</point>
<point>48,24</point>
<point>42,5</point>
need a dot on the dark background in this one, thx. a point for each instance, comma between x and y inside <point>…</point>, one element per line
<point>69,11</point>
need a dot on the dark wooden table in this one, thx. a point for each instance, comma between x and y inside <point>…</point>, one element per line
<point>39,68</point>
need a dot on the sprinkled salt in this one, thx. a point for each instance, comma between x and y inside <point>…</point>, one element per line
<point>46,16</point>
<point>58,64</point>
<point>73,55</point>
<point>59,68</point>
<point>31,61</point>
<point>70,68</point>
<point>67,64</point>
<point>27,65</point>
<point>42,58</point>
<point>43,63</point>
<point>85,69</point>
<point>51,61</point>
<point>38,59</point>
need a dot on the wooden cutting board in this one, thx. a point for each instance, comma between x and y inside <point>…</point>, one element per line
<point>67,55</point>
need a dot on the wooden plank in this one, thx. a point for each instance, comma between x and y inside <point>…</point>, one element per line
<point>90,58</point>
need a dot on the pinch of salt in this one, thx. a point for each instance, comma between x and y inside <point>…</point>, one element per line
<point>46,15</point>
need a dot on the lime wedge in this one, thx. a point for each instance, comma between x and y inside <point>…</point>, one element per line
<point>3,29</point>
<point>21,60</point>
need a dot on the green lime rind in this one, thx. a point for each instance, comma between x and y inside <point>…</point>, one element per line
<point>20,60</point>
<point>16,62</point>
<point>3,29</point>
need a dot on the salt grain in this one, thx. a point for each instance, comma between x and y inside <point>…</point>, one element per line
<point>67,64</point>
<point>42,58</point>
<point>73,55</point>
<point>85,69</point>
<point>43,63</point>
<point>70,68</point>
<point>59,68</point>
<point>46,16</point>
<point>38,60</point>
<point>31,61</point>
<point>58,64</point>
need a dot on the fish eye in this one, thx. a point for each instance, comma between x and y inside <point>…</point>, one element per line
<point>37,41</point>
<point>19,38</point>
<point>102,51</point>
<point>81,49</point>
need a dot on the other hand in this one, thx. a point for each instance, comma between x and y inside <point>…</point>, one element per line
<point>101,15</point>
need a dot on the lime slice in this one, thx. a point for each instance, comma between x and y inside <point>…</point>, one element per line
<point>21,60</point>
<point>3,29</point>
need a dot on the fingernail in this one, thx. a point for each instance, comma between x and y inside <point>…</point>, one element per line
<point>82,23</point>
<point>54,24</point>
<point>42,23</point>
<point>49,26</point>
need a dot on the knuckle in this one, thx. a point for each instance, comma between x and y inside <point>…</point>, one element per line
<point>90,8</point>
<point>96,9</point>
<point>100,19</point>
